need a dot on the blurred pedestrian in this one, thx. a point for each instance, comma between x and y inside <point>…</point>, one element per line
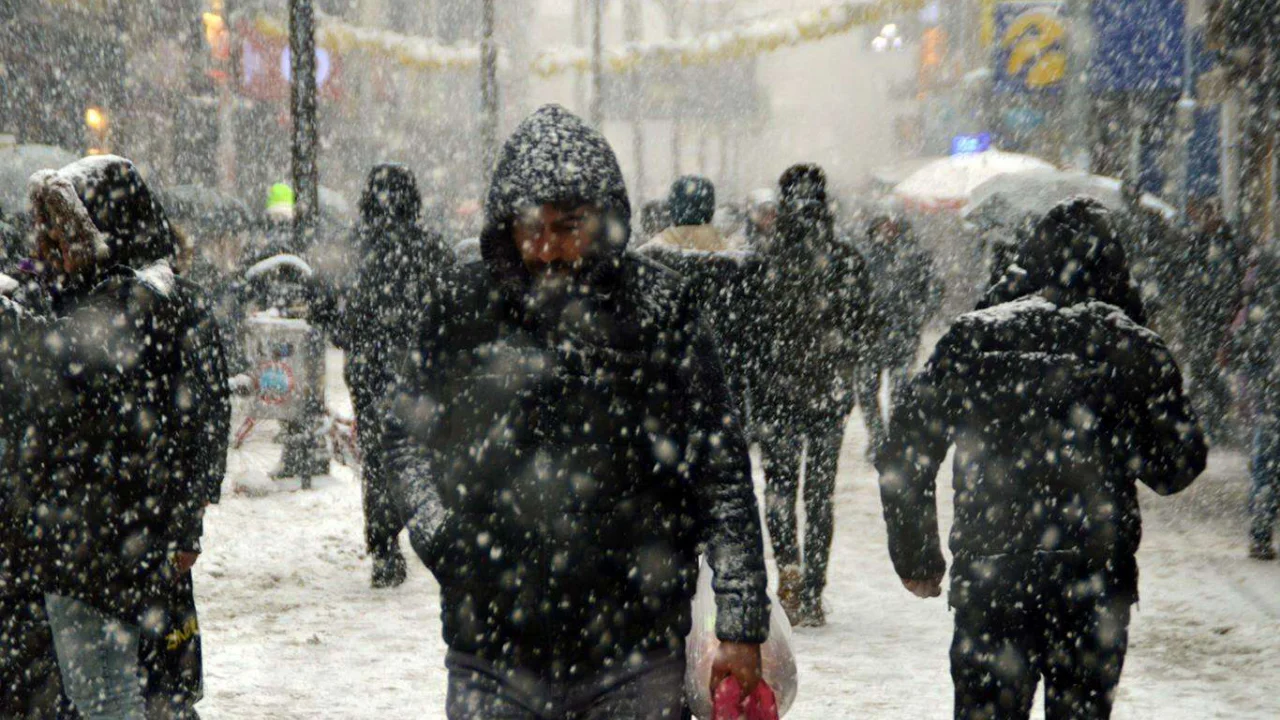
<point>1258,356</point>
<point>717,274</point>
<point>1059,402</point>
<point>905,293</point>
<point>810,315</point>
<point>399,278</point>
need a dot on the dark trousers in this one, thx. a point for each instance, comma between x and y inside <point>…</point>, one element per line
<point>649,690</point>
<point>782,450</point>
<point>1264,470</point>
<point>383,516</point>
<point>1012,633</point>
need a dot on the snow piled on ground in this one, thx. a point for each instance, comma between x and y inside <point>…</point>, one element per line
<point>292,630</point>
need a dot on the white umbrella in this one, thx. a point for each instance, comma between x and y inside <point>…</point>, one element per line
<point>1004,200</point>
<point>947,184</point>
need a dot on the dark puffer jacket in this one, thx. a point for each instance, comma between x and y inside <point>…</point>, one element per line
<point>1058,403</point>
<point>567,452</point>
<point>113,459</point>
<point>811,310</point>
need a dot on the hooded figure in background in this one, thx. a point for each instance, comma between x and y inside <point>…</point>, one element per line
<point>692,204</point>
<point>810,313</point>
<point>398,280</point>
<point>906,292</point>
<point>1059,402</point>
<point>717,275</point>
<point>569,446</point>
<point>106,487</point>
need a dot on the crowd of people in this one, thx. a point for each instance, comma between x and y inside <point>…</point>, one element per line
<point>560,417</point>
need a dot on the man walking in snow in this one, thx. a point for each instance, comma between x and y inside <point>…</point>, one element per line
<point>568,443</point>
<point>399,271</point>
<point>810,312</point>
<point>1058,401</point>
<point>718,276</point>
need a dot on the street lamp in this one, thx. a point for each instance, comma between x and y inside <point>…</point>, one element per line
<point>97,122</point>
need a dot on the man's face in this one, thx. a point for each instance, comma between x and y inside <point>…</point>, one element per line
<point>554,239</point>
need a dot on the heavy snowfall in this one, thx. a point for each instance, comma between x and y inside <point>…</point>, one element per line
<point>637,359</point>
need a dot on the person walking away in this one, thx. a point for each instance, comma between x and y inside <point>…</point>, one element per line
<point>107,500</point>
<point>1059,402</point>
<point>398,279</point>
<point>905,294</point>
<point>1255,346</point>
<point>716,273</point>
<point>811,314</point>
<point>1213,270</point>
<point>568,446</point>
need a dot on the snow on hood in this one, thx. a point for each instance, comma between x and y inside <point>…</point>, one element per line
<point>553,157</point>
<point>121,207</point>
<point>1071,257</point>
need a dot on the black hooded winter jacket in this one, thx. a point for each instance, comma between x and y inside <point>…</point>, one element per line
<point>1058,403</point>
<point>116,401</point>
<point>810,311</point>
<point>566,454</point>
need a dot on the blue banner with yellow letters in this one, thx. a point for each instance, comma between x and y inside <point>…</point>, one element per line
<point>1030,47</point>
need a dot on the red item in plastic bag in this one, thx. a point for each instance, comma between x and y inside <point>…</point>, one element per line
<point>731,704</point>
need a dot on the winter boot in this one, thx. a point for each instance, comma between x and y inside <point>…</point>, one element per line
<point>790,583</point>
<point>1261,549</point>
<point>812,615</point>
<point>388,569</point>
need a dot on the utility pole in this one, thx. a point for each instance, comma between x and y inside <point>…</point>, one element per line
<point>633,26</point>
<point>1076,151</point>
<point>226,151</point>
<point>1186,117</point>
<point>597,63</point>
<point>488,90</point>
<point>304,455</point>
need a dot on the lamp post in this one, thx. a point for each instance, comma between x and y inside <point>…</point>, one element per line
<point>597,65</point>
<point>304,455</point>
<point>488,90</point>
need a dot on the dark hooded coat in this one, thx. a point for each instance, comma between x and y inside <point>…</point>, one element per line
<point>811,311</point>
<point>567,452</point>
<point>1059,402</point>
<point>114,399</point>
<point>400,270</point>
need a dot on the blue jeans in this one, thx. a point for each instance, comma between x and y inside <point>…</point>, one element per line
<point>1264,468</point>
<point>98,660</point>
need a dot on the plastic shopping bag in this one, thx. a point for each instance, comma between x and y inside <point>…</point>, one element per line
<point>701,645</point>
<point>731,704</point>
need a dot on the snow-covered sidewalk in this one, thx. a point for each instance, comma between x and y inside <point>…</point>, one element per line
<point>292,630</point>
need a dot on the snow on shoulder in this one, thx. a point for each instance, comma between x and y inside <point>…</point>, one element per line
<point>1010,311</point>
<point>8,284</point>
<point>158,276</point>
